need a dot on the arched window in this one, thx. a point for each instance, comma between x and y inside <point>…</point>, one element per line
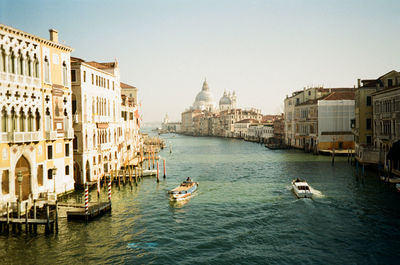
<point>20,63</point>
<point>4,120</point>
<point>65,74</point>
<point>22,119</point>
<point>11,63</point>
<point>35,67</point>
<point>37,117</point>
<point>2,60</point>
<point>28,65</point>
<point>30,121</point>
<point>46,66</point>
<point>13,120</point>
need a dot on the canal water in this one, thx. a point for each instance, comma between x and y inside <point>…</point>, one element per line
<point>243,213</point>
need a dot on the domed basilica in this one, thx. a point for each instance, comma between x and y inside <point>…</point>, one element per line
<point>205,100</point>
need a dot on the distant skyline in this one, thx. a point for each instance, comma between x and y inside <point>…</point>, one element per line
<point>263,50</point>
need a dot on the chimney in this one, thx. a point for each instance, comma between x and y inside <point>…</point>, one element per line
<point>358,82</point>
<point>53,35</point>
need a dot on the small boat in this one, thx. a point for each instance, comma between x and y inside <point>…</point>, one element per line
<point>149,172</point>
<point>398,187</point>
<point>301,188</point>
<point>183,191</point>
<point>390,180</point>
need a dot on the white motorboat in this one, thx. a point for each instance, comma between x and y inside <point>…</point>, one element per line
<point>301,188</point>
<point>183,191</point>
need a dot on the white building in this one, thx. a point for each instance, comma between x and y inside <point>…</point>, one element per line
<point>97,119</point>
<point>227,101</point>
<point>335,113</point>
<point>204,99</point>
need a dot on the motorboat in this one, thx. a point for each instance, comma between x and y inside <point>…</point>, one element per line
<point>183,191</point>
<point>301,188</point>
<point>390,180</point>
<point>398,187</point>
<point>149,172</point>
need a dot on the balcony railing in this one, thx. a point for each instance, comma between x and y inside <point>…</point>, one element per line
<point>23,137</point>
<point>69,134</point>
<point>51,135</point>
<point>104,147</point>
<point>20,79</point>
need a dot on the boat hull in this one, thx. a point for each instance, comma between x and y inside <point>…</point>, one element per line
<point>183,195</point>
<point>149,172</point>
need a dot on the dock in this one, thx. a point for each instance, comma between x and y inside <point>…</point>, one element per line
<point>95,210</point>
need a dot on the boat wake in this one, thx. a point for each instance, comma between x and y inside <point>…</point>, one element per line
<point>316,193</point>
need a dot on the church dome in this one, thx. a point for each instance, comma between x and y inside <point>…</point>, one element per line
<point>225,100</point>
<point>204,99</point>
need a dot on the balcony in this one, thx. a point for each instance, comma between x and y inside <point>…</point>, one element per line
<point>20,79</point>
<point>69,134</point>
<point>51,135</point>
<point>105,147</point>
<point>23,137</point>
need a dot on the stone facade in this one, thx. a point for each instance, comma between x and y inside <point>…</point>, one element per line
<point>36,121</point>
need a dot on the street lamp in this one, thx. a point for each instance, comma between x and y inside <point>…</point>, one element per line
<point>54,172</point>
<point>19,179</point>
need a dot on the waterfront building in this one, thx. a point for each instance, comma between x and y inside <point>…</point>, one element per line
<point>130,144</point>
<point>96,106</point>
<point>129,91</point>
<point>386,117</point>
<point>279,130</point>
<point>167,126</point>
<point>241,127</point>
<point>260,132</point>
<point>297,98</point>
<point>187,120</point>
<point>365,151</point>
<point>306,128</point>
<point>335,113</point>
<point>36,120</point>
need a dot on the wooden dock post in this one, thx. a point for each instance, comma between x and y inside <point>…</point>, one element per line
<point>47,229</point>
<point>56,216</point>
<point>98,189</point>
<point>158,177</point>
<point>109,190</point>
<point>26,217</point>
<point>130,175</point>
<point>164,168</point>
<point>34,216</point>
<point>119,181</point>
<point>19,215</point>
<point>19,209</point>
<point>8,216</point>
<point>153,159</point>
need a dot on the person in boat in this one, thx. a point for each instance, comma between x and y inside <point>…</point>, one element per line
<point>188,179</point>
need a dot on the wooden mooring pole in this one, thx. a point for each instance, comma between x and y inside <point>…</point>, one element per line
<point>26,217</point>
<point>158,177</point>
<point>164,168</point>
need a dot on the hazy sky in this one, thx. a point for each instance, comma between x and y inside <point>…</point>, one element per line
<point>263,50</point>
